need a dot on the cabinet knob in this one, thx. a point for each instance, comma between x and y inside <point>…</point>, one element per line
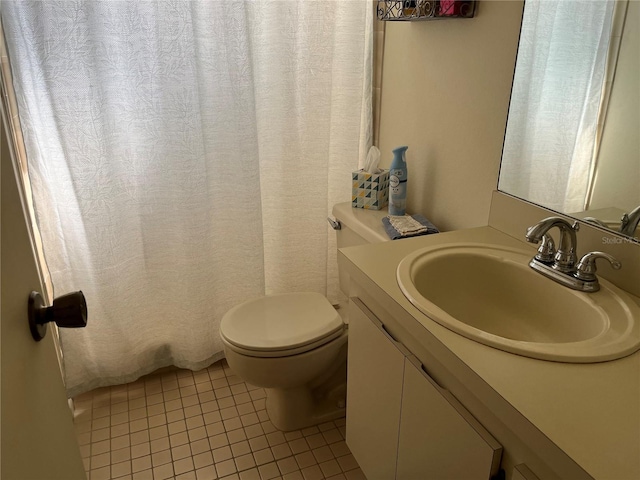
<point>67,311</point>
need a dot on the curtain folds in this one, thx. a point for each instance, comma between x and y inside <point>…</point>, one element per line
<point>557,88</point>
<point>183,157</point>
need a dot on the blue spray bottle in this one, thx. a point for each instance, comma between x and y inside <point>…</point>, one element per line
<point>398,182</point>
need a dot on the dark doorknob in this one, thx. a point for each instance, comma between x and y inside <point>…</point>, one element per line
<point>67,311</point>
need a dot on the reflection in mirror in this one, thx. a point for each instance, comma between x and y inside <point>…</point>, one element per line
<point>572,142</point>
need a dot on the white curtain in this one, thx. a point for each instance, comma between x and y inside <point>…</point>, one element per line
<point>555,101</point>
<point>184,156</point>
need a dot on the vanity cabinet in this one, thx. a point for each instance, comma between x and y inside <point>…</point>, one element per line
<point>400,423</point>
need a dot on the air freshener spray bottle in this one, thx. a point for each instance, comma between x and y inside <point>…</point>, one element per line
<point>398,182</point>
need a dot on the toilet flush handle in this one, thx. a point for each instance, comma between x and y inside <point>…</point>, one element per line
<point>334,222</point>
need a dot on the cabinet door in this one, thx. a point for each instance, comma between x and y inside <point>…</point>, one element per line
<point>438,437</point>
<point>522,472</point>
<point>374,392</point>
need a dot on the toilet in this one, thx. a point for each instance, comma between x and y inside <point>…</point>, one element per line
<point>294,345</point>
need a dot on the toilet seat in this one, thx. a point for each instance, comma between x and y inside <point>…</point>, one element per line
<point>281,325</point>
<point>285,352</point>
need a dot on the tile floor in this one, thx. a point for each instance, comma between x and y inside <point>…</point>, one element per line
<point>202,425</point>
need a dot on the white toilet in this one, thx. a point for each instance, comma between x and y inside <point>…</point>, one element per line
<point>295,344</point>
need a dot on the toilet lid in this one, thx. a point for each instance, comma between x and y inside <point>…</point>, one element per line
<point>280,322</point>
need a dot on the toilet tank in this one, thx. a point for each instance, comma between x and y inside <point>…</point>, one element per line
<point>357,227</point>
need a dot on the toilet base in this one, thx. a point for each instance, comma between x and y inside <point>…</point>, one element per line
<point>298,408</point>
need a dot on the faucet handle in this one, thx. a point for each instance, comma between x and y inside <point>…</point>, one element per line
<point>546,250</point>
<point>586,269</point>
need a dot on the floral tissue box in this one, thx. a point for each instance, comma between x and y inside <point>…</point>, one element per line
<point>370,190</point>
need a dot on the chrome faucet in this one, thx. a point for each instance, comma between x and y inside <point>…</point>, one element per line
<point>630,222</point>
<point>565,258</point>
<point>560,265</point>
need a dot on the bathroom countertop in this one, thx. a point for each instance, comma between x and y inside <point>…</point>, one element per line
<point>589,411</point>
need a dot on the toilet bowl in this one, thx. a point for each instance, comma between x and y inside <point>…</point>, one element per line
<point>294,345</point>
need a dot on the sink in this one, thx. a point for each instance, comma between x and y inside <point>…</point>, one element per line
<point>489,294</point>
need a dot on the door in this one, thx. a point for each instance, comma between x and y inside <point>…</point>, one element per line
<point>37,437</point>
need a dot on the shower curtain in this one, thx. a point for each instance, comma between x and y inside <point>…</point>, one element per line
<point>183,158</point>
<point>557,89</point>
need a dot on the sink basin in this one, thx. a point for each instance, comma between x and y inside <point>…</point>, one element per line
<point>490,295</point>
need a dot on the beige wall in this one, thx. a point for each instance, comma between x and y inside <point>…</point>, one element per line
<point>446,88</point>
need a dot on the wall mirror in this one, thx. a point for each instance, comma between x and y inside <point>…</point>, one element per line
<point>572,141</point>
